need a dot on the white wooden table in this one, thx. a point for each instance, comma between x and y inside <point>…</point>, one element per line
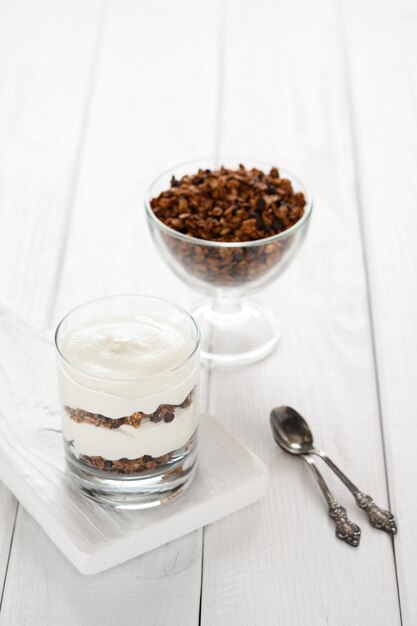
<point>96,98</point>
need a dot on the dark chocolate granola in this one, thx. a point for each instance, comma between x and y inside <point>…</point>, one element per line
<point>126,466</point>
<point>229,206</point>
<point>144,463</point>
<point>165,412</point>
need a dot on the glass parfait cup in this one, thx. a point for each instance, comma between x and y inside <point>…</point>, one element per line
<point>235,330</point>
<point>130,442</point>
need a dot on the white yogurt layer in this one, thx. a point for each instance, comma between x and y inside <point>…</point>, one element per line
<point>120,365</point>
<point>126,347</point>
<point>127,442</point>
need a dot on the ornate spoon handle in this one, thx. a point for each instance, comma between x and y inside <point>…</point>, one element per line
<point>345,529</point>
<point>378,518</point>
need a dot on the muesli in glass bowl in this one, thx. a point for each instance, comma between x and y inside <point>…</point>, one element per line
<point>229,229</point>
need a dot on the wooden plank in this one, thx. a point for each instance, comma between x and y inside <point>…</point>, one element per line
<point>154,104</point>
<point>45,74</point>
<point>45,64</point>
<point>382,60</point>
<point>279,563</point>
<point>8,509</point>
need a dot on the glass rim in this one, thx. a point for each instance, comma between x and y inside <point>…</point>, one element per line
<point>196,341</point>
<point>232,244</point>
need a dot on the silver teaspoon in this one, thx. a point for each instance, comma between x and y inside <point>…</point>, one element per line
<point>345,529</point>
<point>295,436</point>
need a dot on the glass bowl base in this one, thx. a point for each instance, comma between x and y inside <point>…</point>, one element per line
<point>139,491</point>
<point>236,333</point>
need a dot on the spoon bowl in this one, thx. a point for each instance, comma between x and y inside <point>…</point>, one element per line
<point>291,431</point>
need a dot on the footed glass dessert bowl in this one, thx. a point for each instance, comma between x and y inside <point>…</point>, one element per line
<point>228,230</point>
<point>128,372</point>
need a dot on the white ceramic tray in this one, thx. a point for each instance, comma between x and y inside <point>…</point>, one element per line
<point>32,465</point>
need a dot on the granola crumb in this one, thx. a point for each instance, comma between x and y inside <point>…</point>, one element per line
<point>165,412</point>
<point>228,205</point>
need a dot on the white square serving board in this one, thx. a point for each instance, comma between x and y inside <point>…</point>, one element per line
<point>32,465</point>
